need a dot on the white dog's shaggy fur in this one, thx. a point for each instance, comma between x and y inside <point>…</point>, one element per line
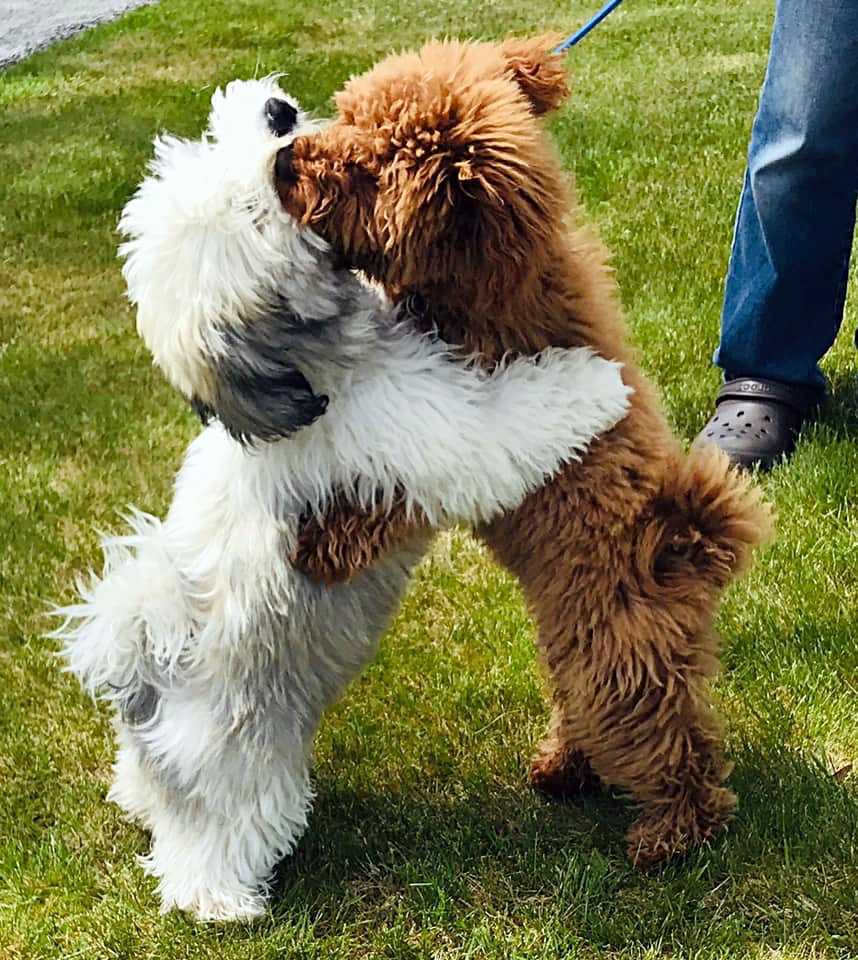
<point>217,655</point>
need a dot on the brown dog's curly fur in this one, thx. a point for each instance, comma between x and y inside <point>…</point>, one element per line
<point>437,178</point>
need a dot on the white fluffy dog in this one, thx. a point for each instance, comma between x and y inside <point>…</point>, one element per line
<point>218,657</point>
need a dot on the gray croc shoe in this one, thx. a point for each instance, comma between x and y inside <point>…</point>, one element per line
<point>756,421</point>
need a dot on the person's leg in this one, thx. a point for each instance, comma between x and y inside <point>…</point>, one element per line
<point>786,284</point>
<point>783,299</point>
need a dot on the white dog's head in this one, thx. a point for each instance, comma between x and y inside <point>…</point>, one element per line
<point>215,266</point>
<point>249,122</point>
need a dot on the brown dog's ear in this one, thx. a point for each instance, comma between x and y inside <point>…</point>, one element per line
<point>537,70</point>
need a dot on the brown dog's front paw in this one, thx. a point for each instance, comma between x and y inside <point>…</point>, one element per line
<point>314,556</point>
<point>321,569</point>
<point>349,540</point>
<point>563,775</point>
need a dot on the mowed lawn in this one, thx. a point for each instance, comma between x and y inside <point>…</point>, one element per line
<point>426,840</point>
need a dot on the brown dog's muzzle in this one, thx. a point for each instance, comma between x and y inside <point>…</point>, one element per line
<point>283,167</point>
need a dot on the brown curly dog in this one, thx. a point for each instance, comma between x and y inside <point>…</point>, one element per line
<point>437,179</point>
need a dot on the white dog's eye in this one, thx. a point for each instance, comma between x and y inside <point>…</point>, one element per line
<point>281,116</point>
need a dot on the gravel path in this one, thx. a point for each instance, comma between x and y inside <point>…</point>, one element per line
<point>29,25</point>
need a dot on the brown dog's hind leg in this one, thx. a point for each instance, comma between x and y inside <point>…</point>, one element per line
<point>646,724</point>
<point>560,769</point>
<point>671,820</point>
<point>628,643</point>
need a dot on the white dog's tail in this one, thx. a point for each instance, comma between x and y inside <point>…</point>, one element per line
<point>136,616</point>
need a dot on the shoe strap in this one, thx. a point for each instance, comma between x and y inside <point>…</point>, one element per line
<point>798,398</point>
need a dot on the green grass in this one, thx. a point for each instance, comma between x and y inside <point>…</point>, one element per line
<point>425,841</point>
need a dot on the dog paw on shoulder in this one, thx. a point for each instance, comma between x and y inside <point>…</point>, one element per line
<point>315,555</point>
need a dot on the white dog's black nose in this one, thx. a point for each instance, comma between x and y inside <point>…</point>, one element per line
<point>281,116</point>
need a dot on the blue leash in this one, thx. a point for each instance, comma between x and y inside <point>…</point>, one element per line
<point>591,24</point>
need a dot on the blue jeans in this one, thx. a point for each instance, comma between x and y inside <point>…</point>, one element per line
<point>786,284</point>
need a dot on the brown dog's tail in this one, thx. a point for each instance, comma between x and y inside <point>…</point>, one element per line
<point>726,503</point>
<point>707,519</point>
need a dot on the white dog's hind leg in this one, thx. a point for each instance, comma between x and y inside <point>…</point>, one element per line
<point>134,789</point>
<point>212,867</point>
<point>237,804</point>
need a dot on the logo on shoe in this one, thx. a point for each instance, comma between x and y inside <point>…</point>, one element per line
<point>754,386</point>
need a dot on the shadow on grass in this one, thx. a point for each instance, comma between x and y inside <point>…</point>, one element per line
<point>503,852</point>
<point>841,411</point>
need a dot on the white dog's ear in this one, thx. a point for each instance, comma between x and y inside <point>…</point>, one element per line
<point>259,394</point>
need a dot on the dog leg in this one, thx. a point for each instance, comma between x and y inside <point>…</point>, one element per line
<point>134,789</point>
<point>219,825</point>
<point>631,651</point>
<point>349,539</point>
<point>560,769</point>
<point>646,724</point>
<point>235,803</point>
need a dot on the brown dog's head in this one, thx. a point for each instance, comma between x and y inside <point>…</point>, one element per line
<point>436,175</point>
